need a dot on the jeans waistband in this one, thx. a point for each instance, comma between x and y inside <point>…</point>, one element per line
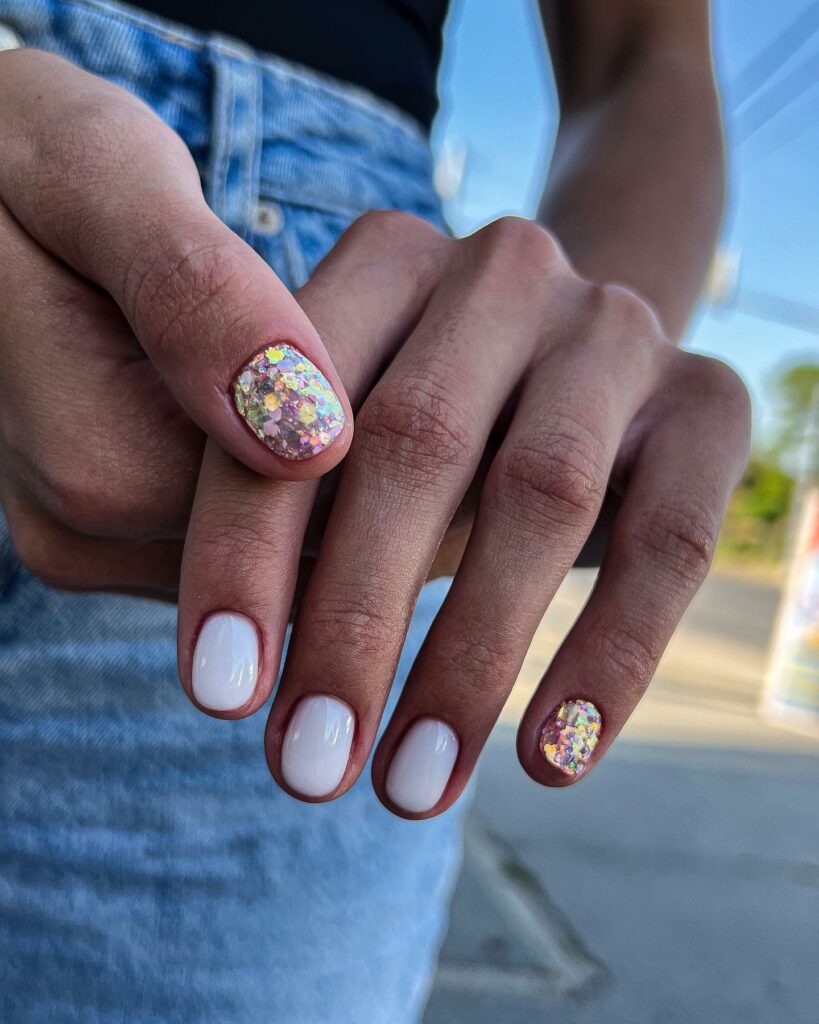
<point>315,141</point>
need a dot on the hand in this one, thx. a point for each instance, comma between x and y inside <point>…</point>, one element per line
<point>493,335</point>
<point>128,310</point>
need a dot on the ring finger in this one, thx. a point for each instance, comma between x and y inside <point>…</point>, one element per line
<point>538,506</point>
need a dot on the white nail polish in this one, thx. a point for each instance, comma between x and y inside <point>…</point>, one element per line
<point>422,765</point>
<point>317,745</point>
<point>225,662</point>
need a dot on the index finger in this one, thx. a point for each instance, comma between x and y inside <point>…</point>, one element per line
<point>245,534</point>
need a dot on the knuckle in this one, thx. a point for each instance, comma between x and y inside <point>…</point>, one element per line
<point>391,224</point>
<point>483,660</point>
<point>85,139</point>
<point>85,146</point>
<point>81,151</point>
<point>98,499</point>
<point>715,401</point>
<point>43,554</point>
<point>630,655</point>
<point>626,309</point>
<point>98,133</point>
<point>417,424</point>
<point>612,313</point>
<point>680,539</point>
<point>519,241</point>
<point>87,509</point>
<point>170,295</point>
<point>73,157</point>
<point>227,536</point>
<point>511,259</point>
<point>557,483</point>
<point>403,241</point>
<point>73,496</point>
<point>357,632</point>
<point>719,385</point>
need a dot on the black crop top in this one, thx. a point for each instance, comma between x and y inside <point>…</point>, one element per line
<point>391,47</point>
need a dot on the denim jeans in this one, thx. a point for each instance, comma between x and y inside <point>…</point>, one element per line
<point>151,871</point>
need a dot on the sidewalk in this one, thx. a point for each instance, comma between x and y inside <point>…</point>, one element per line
<point>679,883</point>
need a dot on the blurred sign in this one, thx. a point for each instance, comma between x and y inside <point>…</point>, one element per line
<point>723,277</point>
<point>791,695</point>
<point>450,166</point>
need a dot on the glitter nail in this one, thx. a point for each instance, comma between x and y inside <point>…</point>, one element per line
<point>570,735</point>
<point>287,402</point>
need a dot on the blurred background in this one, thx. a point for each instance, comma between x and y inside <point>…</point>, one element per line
<point>680,882</point>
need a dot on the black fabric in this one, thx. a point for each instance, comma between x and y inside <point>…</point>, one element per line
<point>391,47</point>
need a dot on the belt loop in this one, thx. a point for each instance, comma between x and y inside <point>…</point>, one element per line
<point>232,174</point>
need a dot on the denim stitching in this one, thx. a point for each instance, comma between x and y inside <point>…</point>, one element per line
<point>221,136</point>
<point>256,128</point>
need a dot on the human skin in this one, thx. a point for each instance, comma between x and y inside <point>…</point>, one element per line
<point>128,308</point>
<point>531,381</point>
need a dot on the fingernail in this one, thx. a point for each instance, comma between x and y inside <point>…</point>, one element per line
<point>288,403</point>
<point>422,765</point>
<point>225,662</point>
<point>317,745</point>
<point>570,735</point>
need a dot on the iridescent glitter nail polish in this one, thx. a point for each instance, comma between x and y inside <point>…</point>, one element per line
<point>570,735</point>
<point>288,403</point>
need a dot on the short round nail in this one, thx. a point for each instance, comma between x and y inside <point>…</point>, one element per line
<point>570,735</point>
<point>287,402</point>
<point>316,746</point>
<point>225,662</point>
<point>421,766</point>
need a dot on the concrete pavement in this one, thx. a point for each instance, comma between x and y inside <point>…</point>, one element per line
<point>679,883</point>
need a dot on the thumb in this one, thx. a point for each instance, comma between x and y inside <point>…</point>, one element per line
<point>104,184</point>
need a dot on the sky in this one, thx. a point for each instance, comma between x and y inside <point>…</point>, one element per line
<point>498,109</point>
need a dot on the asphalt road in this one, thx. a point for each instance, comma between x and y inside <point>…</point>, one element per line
<point>679,883</point>
<point>735,609</point>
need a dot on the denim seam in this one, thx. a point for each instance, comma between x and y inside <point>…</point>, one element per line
<point>295,254</point>
<point>255,127</point>
<point>247,144</point>
<point>221,135</point>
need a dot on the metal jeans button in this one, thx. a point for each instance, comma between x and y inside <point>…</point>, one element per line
<point>269,218</point>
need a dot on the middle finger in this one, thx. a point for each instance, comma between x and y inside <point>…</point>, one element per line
<point>419,439</point>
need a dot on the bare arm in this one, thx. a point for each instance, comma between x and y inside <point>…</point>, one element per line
<point>636,190</point>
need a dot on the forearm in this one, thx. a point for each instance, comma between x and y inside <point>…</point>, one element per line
<point>636,189</point>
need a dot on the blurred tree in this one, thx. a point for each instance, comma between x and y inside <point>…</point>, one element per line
<point>765,491</point>
<point>756,523</point>
<point>795,387</point>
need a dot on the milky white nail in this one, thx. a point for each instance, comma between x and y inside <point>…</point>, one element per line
<point>317,745</point>
<point>422,765</point>
<point>225,662</point>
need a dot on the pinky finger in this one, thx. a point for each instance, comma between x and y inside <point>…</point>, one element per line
<point>659,552</point>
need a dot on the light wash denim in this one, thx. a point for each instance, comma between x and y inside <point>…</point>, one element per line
<point>150,870</point>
